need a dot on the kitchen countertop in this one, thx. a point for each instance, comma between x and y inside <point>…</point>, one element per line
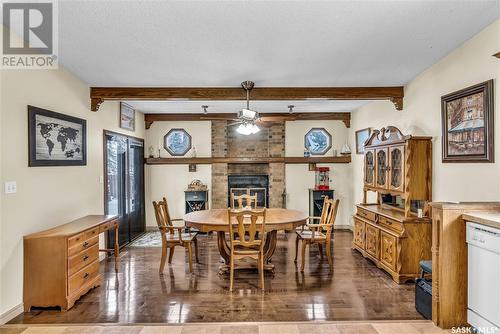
<point>491,219</point>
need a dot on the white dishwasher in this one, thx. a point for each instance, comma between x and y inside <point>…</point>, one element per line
<point>483,311</point>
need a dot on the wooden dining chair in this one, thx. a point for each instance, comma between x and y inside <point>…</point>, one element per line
<point>172,236</point>
<point>320,233</point>
<point>250,200</point>
<point>244,225</point>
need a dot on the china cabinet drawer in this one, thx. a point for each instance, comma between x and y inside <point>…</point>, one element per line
<point>388,245</point>
<point>366,214</point>
<point>81,245</point>
<point>83,277</point>
<point>372,240</point>
<point>82,259</point>
<point>390,223</point>
<point>359,233</point>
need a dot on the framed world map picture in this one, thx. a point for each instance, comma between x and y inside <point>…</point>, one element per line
<point>56,139</point>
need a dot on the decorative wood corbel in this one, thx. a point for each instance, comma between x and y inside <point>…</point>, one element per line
<point>347,122</point>
<point>95,103</point>
<point>398,102</point>
<point>148,123</point>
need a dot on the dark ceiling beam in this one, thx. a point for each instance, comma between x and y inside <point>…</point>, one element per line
<point>101,94</point>
<point>345,117</point>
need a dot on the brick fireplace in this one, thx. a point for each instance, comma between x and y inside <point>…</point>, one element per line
<point>269,142</point>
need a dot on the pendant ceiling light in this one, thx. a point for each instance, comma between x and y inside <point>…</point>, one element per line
<point>247,116</point>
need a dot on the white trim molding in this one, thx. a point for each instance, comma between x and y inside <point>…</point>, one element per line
<point>11,314</point>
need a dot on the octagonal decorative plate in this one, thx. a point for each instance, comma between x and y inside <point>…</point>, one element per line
<point>177,142</point>
<point>318,141</point>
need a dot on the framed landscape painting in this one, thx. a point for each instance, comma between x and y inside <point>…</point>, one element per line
<point>127,117</point>
<point>56,139</point>
<point>361,137</point>
<point>467,120</point>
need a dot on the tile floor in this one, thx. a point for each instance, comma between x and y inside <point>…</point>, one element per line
<point>382,327</point>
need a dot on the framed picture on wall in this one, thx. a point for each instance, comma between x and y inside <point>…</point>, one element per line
<point>317,141</point>
<point>56,139</point>
<point>467,121</point>
<point>177,142</point>
<point>127,117</point>
<point>361,137</point>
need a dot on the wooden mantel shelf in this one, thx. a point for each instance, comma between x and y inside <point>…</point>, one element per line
<point>236,160</point>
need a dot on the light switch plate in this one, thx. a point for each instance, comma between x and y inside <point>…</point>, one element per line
<point>10,187</point>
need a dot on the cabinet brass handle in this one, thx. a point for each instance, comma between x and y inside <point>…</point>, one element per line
<point>85,244</point>
<point>86,275</point>
<point>85,258</point>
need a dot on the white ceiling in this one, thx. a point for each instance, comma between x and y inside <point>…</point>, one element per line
<point>274,43</point>
<point>151,107</point>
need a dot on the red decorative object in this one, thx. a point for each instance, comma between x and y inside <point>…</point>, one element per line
<point>322,178</point>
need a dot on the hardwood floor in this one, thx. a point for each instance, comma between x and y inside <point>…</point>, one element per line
<point>356,290</point>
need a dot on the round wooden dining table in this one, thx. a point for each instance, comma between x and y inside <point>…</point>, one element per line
<point>216,220</point>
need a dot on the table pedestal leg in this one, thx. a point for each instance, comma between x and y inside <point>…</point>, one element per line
<point>225,252</point>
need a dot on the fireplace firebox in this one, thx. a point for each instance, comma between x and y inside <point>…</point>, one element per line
<point>250,185</point>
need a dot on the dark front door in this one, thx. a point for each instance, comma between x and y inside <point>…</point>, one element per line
<point>124,185</point>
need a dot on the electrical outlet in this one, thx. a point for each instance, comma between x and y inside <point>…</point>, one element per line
<point>10,187</point>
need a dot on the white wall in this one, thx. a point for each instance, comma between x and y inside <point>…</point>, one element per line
<point>469,64</point>
<point>298,177</point>
<point>171,180</point>
<point>46,196</point>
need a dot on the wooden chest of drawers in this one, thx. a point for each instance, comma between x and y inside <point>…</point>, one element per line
<point>394,243</point>
<point>62,264</point>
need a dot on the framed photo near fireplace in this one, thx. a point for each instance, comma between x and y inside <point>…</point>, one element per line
<point>56,139</point>
<point>467,121</point>
<point>361,137</point>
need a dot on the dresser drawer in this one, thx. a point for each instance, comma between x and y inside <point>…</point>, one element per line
<point>81,278</point>
<point>76,240</point>
<point>109,226</point>
<point>389,223</point>
<point>366,214</point>
<point>82,259</point>
<point>82,244</point>
<point>91,233</point>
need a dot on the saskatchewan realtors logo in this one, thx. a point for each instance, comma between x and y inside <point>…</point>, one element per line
<point>29,34</point>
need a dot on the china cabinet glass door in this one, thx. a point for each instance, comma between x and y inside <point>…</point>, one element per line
<point>396,172</point>
<point>382,167</point>
<point>369,168</point>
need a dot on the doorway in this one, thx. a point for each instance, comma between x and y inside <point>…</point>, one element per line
<point>124,185</point>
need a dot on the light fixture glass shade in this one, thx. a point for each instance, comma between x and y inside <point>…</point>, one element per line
<point>247,114</point>
<point>247,129</point>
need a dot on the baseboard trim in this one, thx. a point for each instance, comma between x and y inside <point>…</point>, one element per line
<point>342,227</point>
<point>11,314</point>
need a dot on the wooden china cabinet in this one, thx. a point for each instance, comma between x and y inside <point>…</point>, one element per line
<point>391,232</point>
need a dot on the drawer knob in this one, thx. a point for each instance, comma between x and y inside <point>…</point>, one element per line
<point>85,258</point>
<point>85,244</point>
<point>86,276</point>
